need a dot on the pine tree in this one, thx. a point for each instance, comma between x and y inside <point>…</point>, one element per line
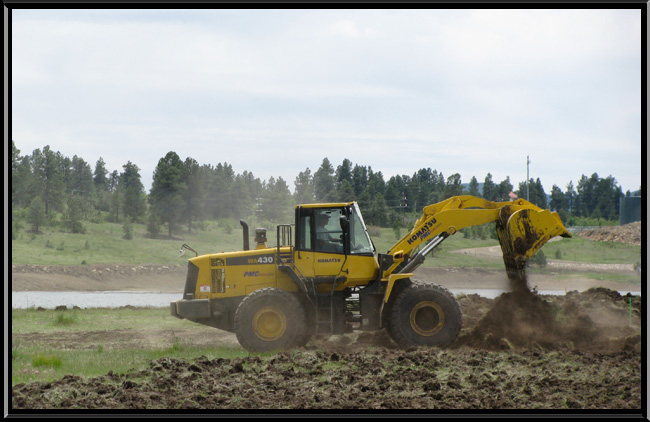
<point>276,203</point>
<point>454,187</point>
<point>570,197</point>
<point>36,214</point>
<point>359,179</point>
<point>304,184</point>
<point>134,205</point>
<point>48,178</point>
<point>503,190</point>
<point>22,179</point>
<point>558,200</point>
<point>74,215</point>
<point>489,188</point>
<point>166,189</point>
<point>99,176</point>
<point>192,193</point>
<point>324,182</point>
<point>472,189</point>
<point>345,192</point>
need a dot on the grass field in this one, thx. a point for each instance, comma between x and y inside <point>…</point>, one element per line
<point>103,243</point>
<point>29,363</point>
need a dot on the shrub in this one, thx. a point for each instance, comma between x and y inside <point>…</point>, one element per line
<point>128,229</point>
<point>74,215</point>
<point>47,360</point>
<point>64,319</point>
<point>153,226</point>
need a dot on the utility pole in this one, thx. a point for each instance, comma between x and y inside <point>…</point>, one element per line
<point>527,176</point>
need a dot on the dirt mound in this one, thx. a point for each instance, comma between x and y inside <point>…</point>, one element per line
<point>627,233</point>
<point>595,320</point>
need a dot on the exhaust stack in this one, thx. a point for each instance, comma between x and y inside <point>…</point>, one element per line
<point>246,241</point>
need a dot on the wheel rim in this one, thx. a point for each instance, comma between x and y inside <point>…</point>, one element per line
<point>427,318</point>
<point>269,324</point>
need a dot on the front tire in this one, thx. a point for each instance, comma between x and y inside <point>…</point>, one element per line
<point>424,314</point>
<point>270,319</point>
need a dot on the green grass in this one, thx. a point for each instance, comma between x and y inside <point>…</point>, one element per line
<point>42,363</point>
<point>91,319</point>
<point>577,249</point>
<point>103,244</point>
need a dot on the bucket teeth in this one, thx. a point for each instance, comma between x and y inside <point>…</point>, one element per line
<point>523,232</point>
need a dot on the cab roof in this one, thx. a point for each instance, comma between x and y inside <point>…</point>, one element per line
<point>327,205</point>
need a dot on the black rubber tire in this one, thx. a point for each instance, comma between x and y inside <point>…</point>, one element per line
<point>310,321</point>
<point>270,319</point>
<point>424,314</point>
<point>398,288</point>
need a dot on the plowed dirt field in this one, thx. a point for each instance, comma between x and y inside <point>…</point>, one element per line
<point>521,350</point>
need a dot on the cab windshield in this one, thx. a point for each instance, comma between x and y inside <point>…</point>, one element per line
<point>360,242</point>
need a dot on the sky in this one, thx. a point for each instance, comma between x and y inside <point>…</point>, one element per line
<point>273,92</point>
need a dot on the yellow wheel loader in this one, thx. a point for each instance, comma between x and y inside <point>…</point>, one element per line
<point>324,275</point>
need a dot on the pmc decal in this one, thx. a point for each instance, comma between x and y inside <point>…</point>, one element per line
<point>423,233</point>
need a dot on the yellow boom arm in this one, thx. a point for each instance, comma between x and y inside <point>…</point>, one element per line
<point>522,228</point>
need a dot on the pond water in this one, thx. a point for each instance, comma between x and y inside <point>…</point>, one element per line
<point>115,299</point>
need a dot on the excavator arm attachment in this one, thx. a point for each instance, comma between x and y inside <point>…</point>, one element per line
<point>522,229</point>
<point>522,233</point>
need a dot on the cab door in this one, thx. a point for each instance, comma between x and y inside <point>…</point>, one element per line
<point>304,249</point>
<point>320,248</point>
<point>329,244</point>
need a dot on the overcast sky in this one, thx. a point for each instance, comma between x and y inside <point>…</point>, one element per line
<point>275,91</point>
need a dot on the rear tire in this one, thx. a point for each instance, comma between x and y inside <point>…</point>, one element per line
<point>424,314</point>
<point>270,319</point>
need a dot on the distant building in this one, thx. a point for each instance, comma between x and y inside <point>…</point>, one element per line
<point>512,196</point>
<point>629,209</point>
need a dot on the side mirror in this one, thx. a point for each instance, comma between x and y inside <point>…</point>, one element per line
<point>344,223</point>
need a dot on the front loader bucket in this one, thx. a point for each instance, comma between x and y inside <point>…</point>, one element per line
<point>522,233</point>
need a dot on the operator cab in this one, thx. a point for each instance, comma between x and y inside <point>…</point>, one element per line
<point>333,229</point>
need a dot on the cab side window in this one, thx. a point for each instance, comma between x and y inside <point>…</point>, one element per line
<point>329,235</point>
<point>304,241</point>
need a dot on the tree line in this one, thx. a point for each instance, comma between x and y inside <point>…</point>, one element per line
<point>46,186</point>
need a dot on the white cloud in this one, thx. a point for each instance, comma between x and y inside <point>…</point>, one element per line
<point>467,91</point>
<point>351,29</point>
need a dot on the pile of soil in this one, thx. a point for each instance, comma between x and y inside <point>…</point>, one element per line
<point>596,320</point>
<point>518,351</point>
<point>628,233</point>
